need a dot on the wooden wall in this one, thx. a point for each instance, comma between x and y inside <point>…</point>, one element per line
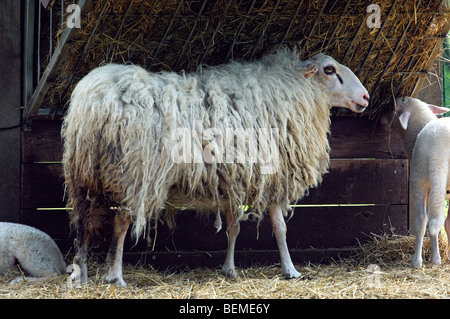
<point>368,170</point>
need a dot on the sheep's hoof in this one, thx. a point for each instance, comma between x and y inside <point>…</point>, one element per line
<point>291,273</point>
<point>292,276</point>
<point>416,264</point>
<point>116,281</point>
<point>230,273</point>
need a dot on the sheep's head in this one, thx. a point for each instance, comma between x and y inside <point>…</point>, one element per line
<point>400,111</point>
<point>344,87</point>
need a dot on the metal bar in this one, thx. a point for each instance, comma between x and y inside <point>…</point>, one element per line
<point>28,43</point>
<point>434,53</point>
<point>335,29</point>
<point>183,49</point>
<point>211,39</point>
<point>292,22</point>
<point>133,50</point>
<point>261,36</point>
<point>241,26</point>
<point>86,47</point>
<point>52,67</point>
<point>376,40</point>
<point>165,35</point>
<point>119,30</point>
<point>390,59</point>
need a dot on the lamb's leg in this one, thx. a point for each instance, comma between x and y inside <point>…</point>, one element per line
<point>280,229</point>
<point>421,223</point>
<point>233,228</point>
<point>436,214</point>
<point>114,258</point>
<point>447,230</point>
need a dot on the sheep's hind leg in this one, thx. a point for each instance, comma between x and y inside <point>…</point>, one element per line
<point>280,229</point>
<point>115,253</point>
<point>233,229</point>
<point>421,223</point>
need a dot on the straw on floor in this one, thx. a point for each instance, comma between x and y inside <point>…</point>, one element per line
<point>379,269</point>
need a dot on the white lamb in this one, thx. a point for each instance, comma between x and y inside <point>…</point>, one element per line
<point>35,252</point>
<point>427,143</point>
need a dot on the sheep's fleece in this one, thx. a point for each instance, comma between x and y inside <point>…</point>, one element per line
<point>119,139</point>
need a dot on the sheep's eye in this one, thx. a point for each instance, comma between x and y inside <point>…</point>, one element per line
<point>329,70</point>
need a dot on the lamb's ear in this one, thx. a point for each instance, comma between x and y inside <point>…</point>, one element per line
<point>404,119</point>
<point>310,70</point>
<point>438,109</point>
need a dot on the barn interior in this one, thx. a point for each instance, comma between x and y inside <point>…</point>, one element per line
<point>392,46</point>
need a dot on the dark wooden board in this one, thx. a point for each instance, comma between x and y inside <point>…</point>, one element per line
<point>363,138</point>
<point>243,258</point>
<point>356,181</point>
<point>42,185</point>
<point>350,138</point>
<point>362,181</point>
<point>310,227</point>
<point>42,142</point>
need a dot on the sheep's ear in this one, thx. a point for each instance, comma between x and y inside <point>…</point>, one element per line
<point>310,70</point>
<point>438,109</point>
<point>404,119</point>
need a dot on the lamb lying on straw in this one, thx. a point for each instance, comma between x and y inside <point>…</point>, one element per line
<point>256,136</point>
<point>35,252</point>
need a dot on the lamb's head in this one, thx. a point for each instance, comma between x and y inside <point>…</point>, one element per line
<point>405,108</point>
<point>344,87</point>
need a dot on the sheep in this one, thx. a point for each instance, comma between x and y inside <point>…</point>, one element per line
<point>425,139</point>
<point>35,252</point>
<point>125,129</point>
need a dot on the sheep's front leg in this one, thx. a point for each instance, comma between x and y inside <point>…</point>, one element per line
<point>233,229</point>
<point>114,258</point>
<point>280,229</point>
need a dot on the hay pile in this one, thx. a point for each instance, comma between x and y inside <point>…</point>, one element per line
<point>180,35</point>
<point>348,278</point>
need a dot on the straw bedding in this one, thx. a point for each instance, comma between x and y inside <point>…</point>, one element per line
<point>181,35</point>
<point>352,277</point>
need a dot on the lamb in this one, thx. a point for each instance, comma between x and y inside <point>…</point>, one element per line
<point>125,146</point>
<point>35,252</point>
<point>426,139</point>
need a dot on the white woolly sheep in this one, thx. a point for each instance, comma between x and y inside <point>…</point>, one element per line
<point>35,252</point>
<point>426,140</point>
<point>122,145</point>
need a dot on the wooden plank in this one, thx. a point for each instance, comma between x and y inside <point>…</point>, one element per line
<point>350,138</point>
<point>362,181</point>
<point>363,138</point>
<point>195,259</point>
<point>42,185</point>
<point>310,227</point>
<point>42,142</point>
<point>312,232</point>
<point>358,181</point>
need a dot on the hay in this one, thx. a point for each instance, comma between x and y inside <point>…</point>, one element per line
<point>180,35</point>
<point>352,277</point>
